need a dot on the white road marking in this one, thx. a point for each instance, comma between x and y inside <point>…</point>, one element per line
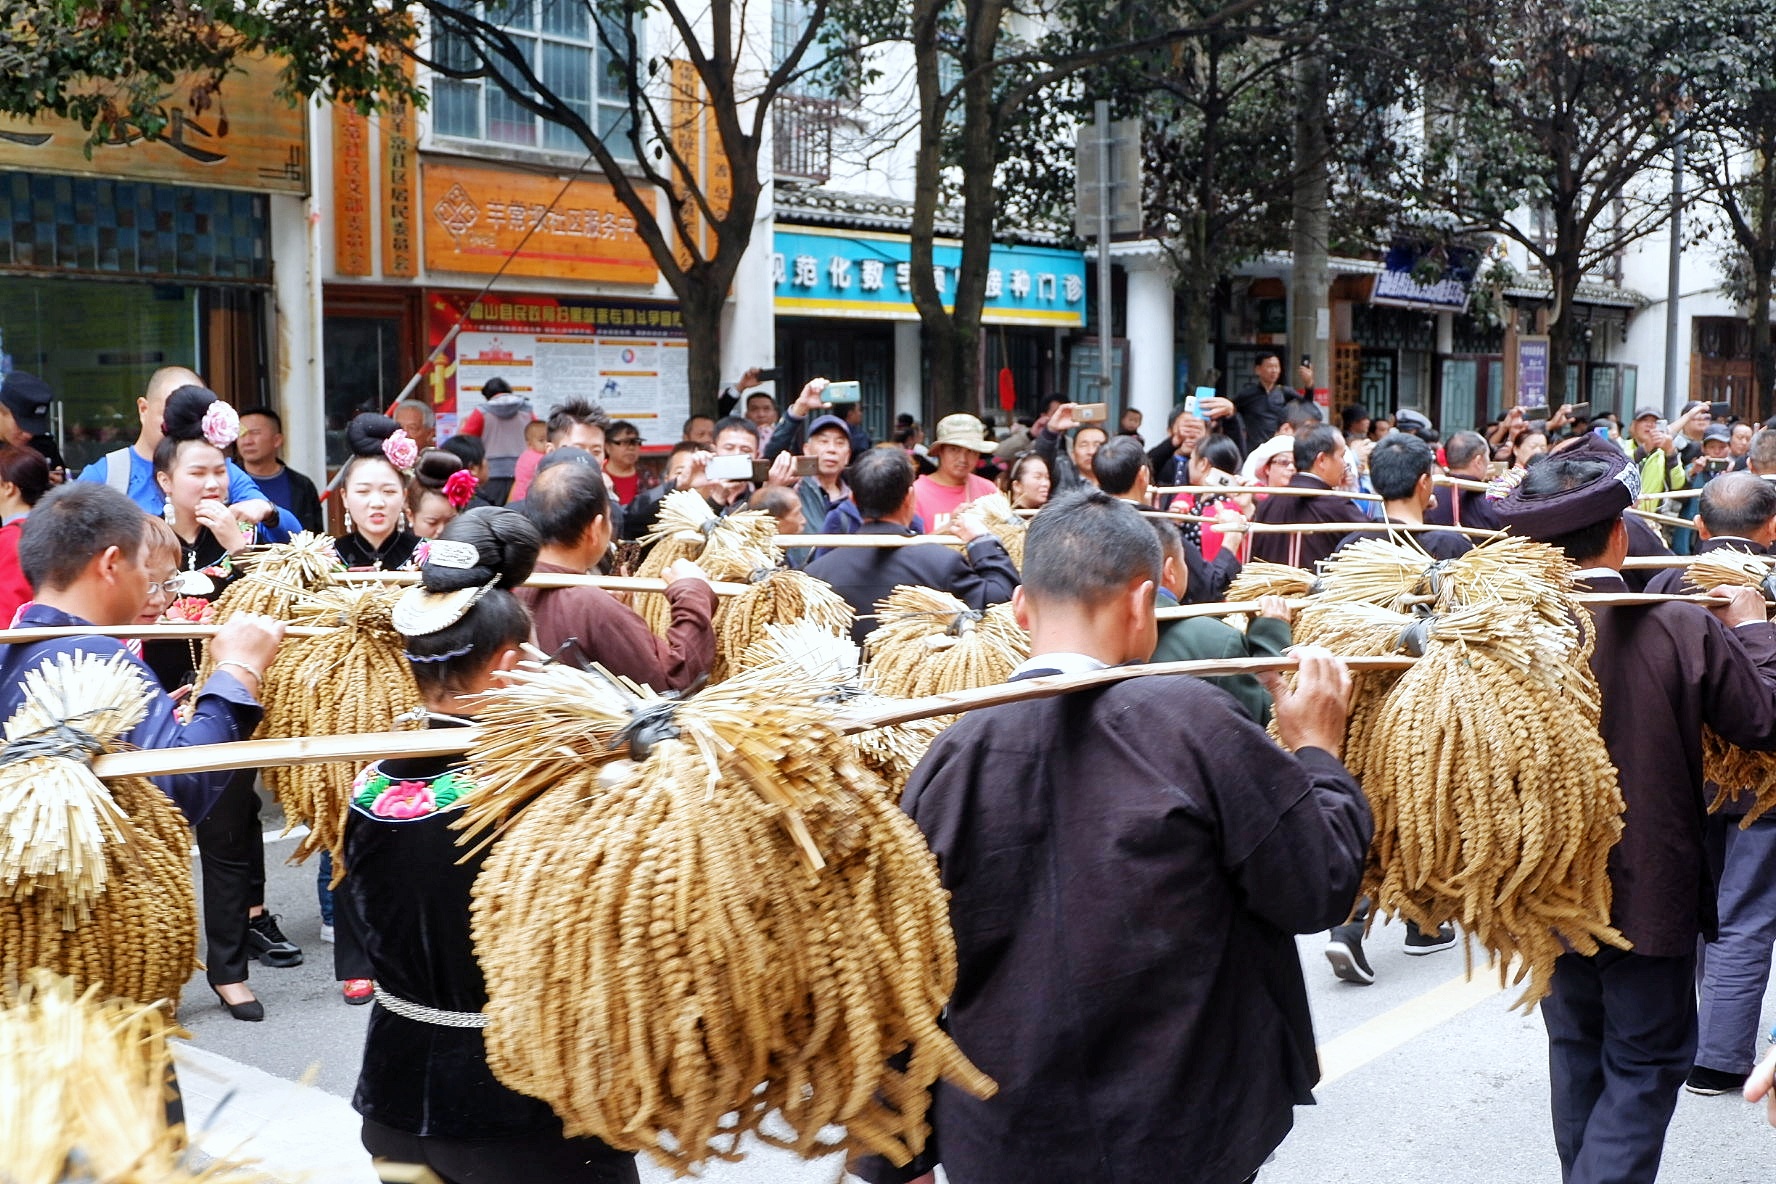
<point>1350,1051</point>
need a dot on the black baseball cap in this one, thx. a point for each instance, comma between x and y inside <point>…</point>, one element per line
<point>28,398</point>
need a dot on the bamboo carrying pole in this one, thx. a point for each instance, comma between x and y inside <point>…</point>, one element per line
<point>1468,483</point>
<point>544,579</point>
<point>1265,490</point>
<point>252,754</point>
<point>1230,608</point>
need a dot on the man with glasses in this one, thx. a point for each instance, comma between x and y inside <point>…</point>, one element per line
<point>622,454</point>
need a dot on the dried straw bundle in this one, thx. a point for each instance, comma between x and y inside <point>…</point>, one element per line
<point>278,575</point>
<point>751,927</point>
<point>352,679</point>
<point>779,596</point>
<point>1482,815</point>
<point>996,513</point>
<point>83,1092</point>
<point>98,876</point>
<point>833,662</point>
<point>928,642</point>
<point>727,547</point>
<point>1735,771</point>
<point>1259,579</point>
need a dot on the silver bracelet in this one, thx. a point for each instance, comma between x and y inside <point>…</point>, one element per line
<point>257,676</point>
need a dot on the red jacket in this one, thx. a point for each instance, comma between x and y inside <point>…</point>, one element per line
<point>15,590</point>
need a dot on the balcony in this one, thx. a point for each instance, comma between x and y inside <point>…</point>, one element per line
<point>802,127</point>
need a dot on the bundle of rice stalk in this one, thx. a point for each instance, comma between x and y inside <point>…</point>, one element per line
<point>928,642</point>
<point>1398,573</point>
<point>751,927</point>
<point>350,680</point>
<point>1259,579</point>
<point>98,876</point>
<point>83,1092</point>
<point>777,596</point>
<point>995,511</point>
<point>824,659</point>
<point>726,546</point>
<point>277,575</point>
<point>1735,771</point>
<point>1484,815</point>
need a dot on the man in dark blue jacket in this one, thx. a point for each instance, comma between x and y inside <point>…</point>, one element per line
<point>84,550</point>
<point>982,574</point>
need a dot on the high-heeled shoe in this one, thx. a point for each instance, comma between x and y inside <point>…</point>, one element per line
<point>252,1010</point>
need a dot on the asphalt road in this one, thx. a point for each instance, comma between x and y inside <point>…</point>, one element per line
<point>1429,1077</point>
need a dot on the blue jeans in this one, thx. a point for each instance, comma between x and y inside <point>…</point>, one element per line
<point>1736,966</point>
<point>323,874</point>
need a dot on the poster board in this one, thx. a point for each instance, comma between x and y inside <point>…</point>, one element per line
<point>629,356</point>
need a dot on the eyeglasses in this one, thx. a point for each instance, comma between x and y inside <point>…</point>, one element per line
<point>170,586</point>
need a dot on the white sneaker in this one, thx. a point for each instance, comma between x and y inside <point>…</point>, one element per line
<point>326,933</point>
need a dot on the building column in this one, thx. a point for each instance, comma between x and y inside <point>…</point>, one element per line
<point>749,321</point>
<point>299,233</point>
<point>1152,376</point>
<point>909,393</point>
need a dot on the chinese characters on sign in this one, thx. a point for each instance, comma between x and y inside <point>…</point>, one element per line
<point>474,218</point>
<point>400,177</point>
<point>251,139</point>
<point>351,191</point>
<point>821,273</point>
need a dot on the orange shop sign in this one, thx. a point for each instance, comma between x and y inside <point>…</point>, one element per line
<point>249,138</point>
<point>475,218</point>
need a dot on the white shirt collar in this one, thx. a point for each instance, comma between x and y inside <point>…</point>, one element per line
<point>1597,573</point>
<point>1062,663</point>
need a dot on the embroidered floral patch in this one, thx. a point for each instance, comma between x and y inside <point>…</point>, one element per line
<point>380,795</point>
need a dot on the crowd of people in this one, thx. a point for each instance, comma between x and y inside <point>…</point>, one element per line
<point>1064,827</point>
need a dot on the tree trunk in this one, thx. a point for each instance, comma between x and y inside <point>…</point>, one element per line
<point>1763,352</point>
<point>701,307</point>
<point>1561,326</point>
<point>1311,234</point>
<point>1198,279</point>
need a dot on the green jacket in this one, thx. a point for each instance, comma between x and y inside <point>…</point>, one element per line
<point>1203,638</point>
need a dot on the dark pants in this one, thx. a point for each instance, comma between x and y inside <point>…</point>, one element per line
<point>1736,966</point>
<point>548,1158</point>
<point>1621,1035</point>
<point>231,851</point>
<point>496,490</point>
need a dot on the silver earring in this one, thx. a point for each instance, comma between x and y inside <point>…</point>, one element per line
<point>166,511</point>
<point>348,522</point>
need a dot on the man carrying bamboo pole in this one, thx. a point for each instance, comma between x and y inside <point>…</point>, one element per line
<point>1126,866</point>
<point>84,549</point>
<point>1622,1023</point>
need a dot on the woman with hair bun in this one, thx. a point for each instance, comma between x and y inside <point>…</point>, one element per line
<point>191,467</point>
<point>442,487</point>
<point>425,1091</point>
<point>374,485</point>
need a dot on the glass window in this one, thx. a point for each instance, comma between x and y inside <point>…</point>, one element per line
<point>561,47</point>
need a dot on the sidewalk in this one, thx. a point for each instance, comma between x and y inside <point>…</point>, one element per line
<point>296,1132</point>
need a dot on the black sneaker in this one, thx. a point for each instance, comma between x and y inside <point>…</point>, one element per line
<point>1345,952</point>
<point>1712,1082</point>
<point>1419,943</point>
<point>266,942</point>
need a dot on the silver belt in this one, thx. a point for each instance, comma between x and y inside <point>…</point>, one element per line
<point>409,1010</point>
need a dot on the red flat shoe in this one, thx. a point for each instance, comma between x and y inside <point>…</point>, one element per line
<point>358,991</point>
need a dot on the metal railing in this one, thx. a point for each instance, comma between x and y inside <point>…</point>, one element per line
<point>803,131</point>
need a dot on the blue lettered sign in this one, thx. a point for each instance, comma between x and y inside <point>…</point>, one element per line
<point>848,273</point>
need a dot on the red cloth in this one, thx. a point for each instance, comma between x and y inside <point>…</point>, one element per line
<point>15,590</point>
<point>522,473</point>
<point>472,425</point>
<point>626,487</point>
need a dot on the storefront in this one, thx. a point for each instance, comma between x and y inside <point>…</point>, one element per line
<point>145,255</point>
<point>845,310</point>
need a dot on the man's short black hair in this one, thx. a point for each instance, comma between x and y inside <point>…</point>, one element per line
<point>1119,464</point>
<point>72,525</point>
<point>1463,447</point>
<point>1171,539</point>
<point>1396,463</point>
<point>1553,474</point>
<point>1350,415</point>
<point>686,430</point>
<point>563,500</point>
<point>1314,443</point>
<point>760,394</point>
<point>735,423</point>
<point>1087,545</point>
<point>1738,504</point>
<point>276,419</point>
<point>683,446</point>
<point>468,449</point>
<point>879,480</point>
<point>1264,355</point>
<point>1300,414</point>
<point>571,412</point>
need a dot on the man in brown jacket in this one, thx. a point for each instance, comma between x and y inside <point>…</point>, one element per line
<point>570,508</point>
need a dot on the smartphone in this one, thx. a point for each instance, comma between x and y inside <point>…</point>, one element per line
<point>806,466</point>
<point>1720,410</point>
<point>1579,411</point>
<point>1718,464</point>
<point>1601,431</point>
<point>770,375</point>
<point>1307,360</point>
<point>1191,405</point>
<point>843,392</point>
<point>731,468</point>
<point>1091,412</point>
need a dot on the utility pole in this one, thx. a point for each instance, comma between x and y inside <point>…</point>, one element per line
<point>1673,277</point>
<point>1106,191</point>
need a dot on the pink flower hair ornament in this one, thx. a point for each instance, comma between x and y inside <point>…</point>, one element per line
<point>221,426</point>
<point>402,451</point>
<point>460,488</point>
